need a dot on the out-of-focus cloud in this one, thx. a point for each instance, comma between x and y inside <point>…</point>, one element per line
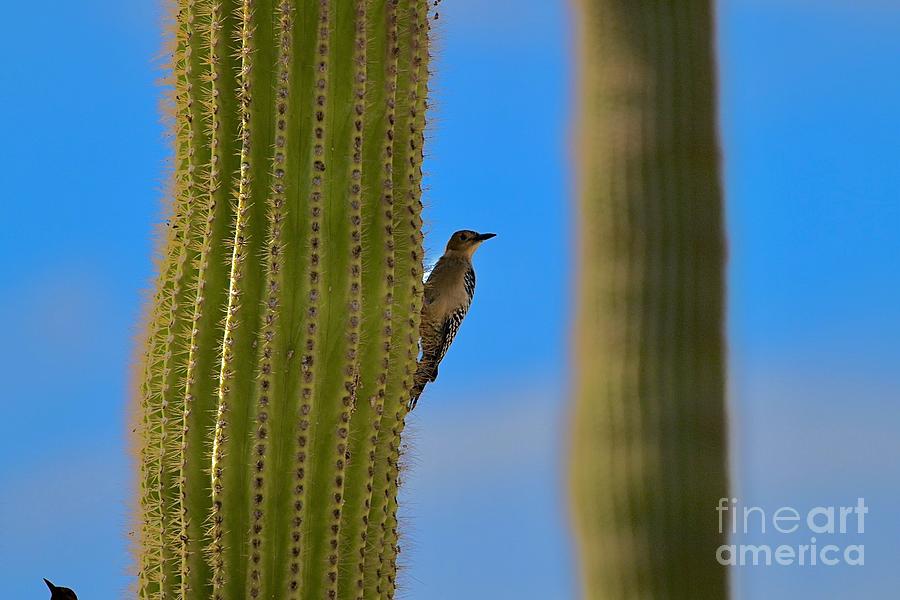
<point>57,323</point>
<point>58,311</point>
<point>65,358</point>
<point>824,428</point>
<point>489,432</point>
<point>481,503</point>
<point>860,6</point>
<point>822,438</point>
<point>64,516</point>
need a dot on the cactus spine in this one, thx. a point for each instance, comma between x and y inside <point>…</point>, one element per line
<point>281,339</point>
<point>648,456</point>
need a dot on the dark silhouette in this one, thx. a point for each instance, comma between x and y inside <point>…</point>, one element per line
<point>60,593</point>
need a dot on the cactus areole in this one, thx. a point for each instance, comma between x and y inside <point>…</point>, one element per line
<point>280,342</point>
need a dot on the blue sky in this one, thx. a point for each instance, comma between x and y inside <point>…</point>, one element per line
<point>809,127</point>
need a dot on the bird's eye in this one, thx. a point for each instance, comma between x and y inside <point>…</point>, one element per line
<point>463,237</point>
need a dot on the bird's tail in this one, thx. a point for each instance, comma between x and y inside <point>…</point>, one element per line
<point>414,394</point>
<point>424,374</point>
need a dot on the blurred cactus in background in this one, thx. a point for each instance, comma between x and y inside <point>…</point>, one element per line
<point>281,339</point>
<point>649,453</point>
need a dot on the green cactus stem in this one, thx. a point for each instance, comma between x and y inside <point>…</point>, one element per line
<point>281,339</point>
<point>648,456</point>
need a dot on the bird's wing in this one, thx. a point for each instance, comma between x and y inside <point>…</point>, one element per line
<point>435,354</point>
<point>431,288</point>
<point>435,342</point>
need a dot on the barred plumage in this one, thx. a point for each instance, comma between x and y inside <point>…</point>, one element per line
<point>448,294</point>
<point>470,283</point>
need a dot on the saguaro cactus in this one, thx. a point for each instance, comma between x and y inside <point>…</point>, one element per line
<point>281,339</point>
<point>648,457</point>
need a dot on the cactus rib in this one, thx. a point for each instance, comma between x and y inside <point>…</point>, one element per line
<point>406,177</point>
<point>377,283</point>
<point>237,380</point>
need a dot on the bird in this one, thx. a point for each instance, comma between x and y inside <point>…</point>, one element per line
<point>60,593</point>
<point>448,294</point>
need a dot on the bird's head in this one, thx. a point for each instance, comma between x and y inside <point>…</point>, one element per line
<point>467,241</point>
<point>60,593</point>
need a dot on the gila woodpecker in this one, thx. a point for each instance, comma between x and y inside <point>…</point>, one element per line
<point>448,294</point>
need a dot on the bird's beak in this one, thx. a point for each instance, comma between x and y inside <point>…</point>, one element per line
<point>50,585</point>
<point>484,236</point>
